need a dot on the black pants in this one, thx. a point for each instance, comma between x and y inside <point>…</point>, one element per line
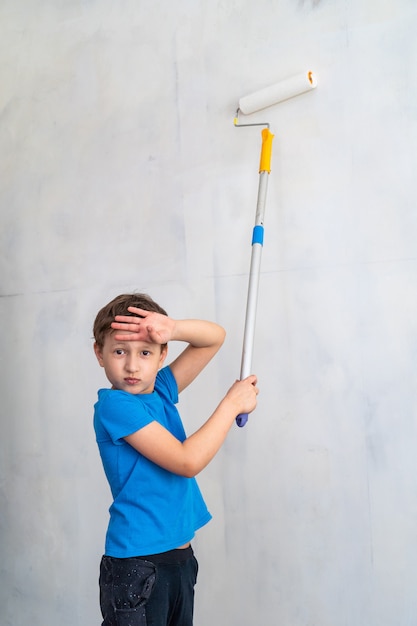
<point>155,590</point>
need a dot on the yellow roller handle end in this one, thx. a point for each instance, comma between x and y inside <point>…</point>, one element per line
<point>266,151</point>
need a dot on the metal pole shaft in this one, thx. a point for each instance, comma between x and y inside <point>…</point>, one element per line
<point>252,299</point>
<point>255,267</point>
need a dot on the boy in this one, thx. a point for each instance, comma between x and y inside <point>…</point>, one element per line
<point>148,572</point>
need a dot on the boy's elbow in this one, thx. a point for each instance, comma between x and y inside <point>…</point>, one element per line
<point>219,338</point>
<point>192,466</point>
<point>190,470</point>
<point>195,457</point>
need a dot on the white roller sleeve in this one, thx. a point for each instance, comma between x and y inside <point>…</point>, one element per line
<point>277,93</point>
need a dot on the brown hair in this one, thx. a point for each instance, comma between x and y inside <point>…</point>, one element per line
<point>119,306</point>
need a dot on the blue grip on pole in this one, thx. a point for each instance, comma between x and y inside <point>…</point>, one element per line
<point>242,419</point>
<point>258,235</point>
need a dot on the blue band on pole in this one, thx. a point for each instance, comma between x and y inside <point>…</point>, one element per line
<point>258,235</point>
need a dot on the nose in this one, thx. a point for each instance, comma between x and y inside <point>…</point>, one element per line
<point>131,364</point>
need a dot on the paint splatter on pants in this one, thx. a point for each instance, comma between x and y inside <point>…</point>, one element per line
<point>155,590</point>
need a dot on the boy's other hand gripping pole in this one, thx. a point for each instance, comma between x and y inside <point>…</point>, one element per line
<point>255,266</point>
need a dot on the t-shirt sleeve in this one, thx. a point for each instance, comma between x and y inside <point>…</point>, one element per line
<point>166,383</point>
<point>121,415</point>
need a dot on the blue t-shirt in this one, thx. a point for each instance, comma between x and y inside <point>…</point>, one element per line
<point>153,509</point>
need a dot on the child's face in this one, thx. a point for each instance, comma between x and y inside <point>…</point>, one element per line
<point>130,366</point>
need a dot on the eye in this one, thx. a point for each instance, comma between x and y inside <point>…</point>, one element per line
<point>146,352</point>
<point>119,351</point>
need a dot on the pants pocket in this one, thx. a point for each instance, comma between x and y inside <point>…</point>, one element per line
<point>125,587</point>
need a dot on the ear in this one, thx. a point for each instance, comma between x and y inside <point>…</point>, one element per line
<point>164,352</point>
<point>99,354</point>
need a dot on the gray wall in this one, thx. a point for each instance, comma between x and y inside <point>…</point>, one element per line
<point>121,169</point>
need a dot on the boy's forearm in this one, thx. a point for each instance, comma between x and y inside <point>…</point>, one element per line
<point>203,445</point>
<point>189,457</point>
<point>204,340</point>
<point>198,333</point>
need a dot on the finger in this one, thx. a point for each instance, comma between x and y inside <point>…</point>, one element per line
<point>139,312</point>
<point>125,326</point>
<point>127,337</point>
<point>128,319</point>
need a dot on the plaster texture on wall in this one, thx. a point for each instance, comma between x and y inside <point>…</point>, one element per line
<point>122,170</point>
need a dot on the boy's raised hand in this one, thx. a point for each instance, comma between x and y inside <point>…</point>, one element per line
<point>148,326</point>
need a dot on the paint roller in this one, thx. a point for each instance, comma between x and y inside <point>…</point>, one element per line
<point>279,92</point>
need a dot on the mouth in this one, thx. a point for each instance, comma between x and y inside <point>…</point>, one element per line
<point>131,381</point>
